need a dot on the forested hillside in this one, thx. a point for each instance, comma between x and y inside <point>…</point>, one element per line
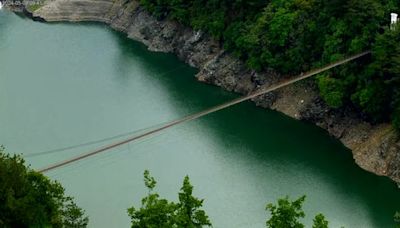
<point>293,36</point>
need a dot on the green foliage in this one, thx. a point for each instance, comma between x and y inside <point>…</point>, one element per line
<point>213,23</point>
<point>286,214</point>
<point>157,212</point>
<point>378,91</point>
<point>34,7</point>
<point>373,99</point>
<point>74,217</point>
<point>284,30</point>
<point>332,91</point>
<point>320,222</point>
<point>154,212</point>
<point>396,119</point>
<point>189,213</point>
<point>149,181</point>
<point>158,8</point>
<point>29,199</point>
<point>397,219</point>
<point>293,36</point>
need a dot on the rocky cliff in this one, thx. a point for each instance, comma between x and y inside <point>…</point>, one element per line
<point>375,148</point>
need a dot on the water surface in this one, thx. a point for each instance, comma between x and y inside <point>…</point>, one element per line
<point>66,84</point>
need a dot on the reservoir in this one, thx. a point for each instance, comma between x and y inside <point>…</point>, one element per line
<point>68,84</point>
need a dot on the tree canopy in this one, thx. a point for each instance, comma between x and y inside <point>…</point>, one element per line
<point>29,199</point>
<point>287,214</point>
<point>158,212</point>
<point>320,222</point>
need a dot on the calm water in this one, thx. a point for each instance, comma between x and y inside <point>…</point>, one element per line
<point>66,84</point>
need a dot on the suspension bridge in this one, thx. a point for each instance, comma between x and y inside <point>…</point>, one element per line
<point>194,116</point>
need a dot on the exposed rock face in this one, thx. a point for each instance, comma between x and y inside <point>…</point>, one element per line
<point>82,10</point>
<point>376,148</point>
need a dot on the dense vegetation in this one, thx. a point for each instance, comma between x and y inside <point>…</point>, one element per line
<point>293,36</point>
<point>29,199</point>
<point>286,214</point>
<point>157,212</point>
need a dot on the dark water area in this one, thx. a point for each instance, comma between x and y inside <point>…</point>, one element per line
<point>67,84</point>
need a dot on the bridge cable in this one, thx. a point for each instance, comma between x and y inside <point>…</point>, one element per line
<point>62,149</point>
<point>207,111</point>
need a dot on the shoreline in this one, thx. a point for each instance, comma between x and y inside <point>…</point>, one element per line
<point>375,148</point>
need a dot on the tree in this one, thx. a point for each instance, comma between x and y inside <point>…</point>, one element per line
<point>179,10</point>
<point>381,81</point>
<point>397,219</point>
<point>332,90</point>
<point>74,217</point>
<point>29,199</point>
<point>154,212</point>
<point>320,222</point>
<point>157,212</point>
<point>286,214</point>
<point>396,119</point>
<point>189,213</point>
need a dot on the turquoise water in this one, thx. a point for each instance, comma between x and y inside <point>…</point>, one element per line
<point>67,84</point>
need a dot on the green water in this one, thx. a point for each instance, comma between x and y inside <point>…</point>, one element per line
<point>66,84</point>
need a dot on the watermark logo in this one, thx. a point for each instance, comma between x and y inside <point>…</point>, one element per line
<point>21,3</point>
